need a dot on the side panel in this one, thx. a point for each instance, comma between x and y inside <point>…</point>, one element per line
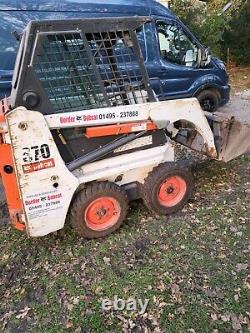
<point>130,168</point>
<point>45,183</point>
<point>162,114</point>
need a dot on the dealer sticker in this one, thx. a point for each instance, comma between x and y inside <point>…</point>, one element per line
<point>37,166</point>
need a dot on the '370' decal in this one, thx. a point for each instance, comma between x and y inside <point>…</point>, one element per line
<point>37,158</point>
<point>36,153</point>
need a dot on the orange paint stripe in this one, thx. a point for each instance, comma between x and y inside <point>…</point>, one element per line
<point>93,132</point>
<point>10,186</point>
<point>2,118</point>
<point>9,179</point>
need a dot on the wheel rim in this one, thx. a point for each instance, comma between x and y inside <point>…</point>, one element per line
<point>102,213</point>
<point>208,104</point>
<point>172,191</point>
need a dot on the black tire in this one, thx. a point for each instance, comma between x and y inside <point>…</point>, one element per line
<point>92,195</point>
<point>209,99</point>
<point>161,176</point>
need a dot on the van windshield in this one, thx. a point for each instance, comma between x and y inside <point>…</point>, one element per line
<point>8,43</point>
<point>16,20</point>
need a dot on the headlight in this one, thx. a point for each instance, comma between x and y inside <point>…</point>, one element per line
<point>221,65</point>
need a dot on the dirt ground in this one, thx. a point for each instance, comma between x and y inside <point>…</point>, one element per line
<point>192,266</point>
<point>239,105</point>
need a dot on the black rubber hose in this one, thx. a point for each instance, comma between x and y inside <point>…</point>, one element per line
<point>100,152</point>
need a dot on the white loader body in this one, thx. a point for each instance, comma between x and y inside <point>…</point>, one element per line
<point>47,186</point>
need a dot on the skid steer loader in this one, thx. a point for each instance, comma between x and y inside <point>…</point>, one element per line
<point>83,133</point>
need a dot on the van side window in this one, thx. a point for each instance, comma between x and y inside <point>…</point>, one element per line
<point>122,48</point>
<point>175,45</point>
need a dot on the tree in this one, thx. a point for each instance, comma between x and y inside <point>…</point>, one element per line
<point>237,36</point>
<point>208,26</point>
<point>217,29</point>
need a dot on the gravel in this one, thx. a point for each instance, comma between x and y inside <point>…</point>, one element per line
<point>239,106</point>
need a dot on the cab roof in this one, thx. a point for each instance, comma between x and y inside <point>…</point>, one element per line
<point>104,7</point>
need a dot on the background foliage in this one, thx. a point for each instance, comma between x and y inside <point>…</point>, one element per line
<point>237,36</point>
<point>221,31</point>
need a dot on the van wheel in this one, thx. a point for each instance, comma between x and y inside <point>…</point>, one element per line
<point>209,100</point>
<point>98,210</point>
<point>167,188</point>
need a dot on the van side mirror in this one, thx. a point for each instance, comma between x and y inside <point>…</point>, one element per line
<point>190,58</point>
<point>205,57</point>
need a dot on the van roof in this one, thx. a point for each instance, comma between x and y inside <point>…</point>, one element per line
<point>117,7</point>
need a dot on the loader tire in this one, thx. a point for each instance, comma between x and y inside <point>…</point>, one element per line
<point>167,188</point>
<point>98,210</point>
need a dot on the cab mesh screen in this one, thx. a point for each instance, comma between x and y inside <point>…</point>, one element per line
<point>83,71</point>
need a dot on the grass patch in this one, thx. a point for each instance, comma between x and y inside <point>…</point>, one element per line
<point>191,266</point>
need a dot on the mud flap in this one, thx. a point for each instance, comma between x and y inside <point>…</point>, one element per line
<point>231,136</point>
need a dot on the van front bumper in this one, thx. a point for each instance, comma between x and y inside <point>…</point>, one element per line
<point>225,94</point>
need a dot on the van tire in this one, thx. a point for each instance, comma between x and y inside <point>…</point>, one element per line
<point>209,99</point>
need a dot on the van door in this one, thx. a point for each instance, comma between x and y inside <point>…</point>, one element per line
<point>178,62</point>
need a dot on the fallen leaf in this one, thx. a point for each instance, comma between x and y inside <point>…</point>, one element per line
<point>162,286</point>
<point>70,307</point>
<point>75,300</point>
<point>233,229</point>
<point>170,316</point>
<point>181,310</point>
<point>23,313</point>
<point>214,316</point>
<point>221,256</point>
<point>98,290</point>
<point>69,325</point>
<point>225,318</point>
<point>236,325</point>
<point>83,266</point>
<point>176,294</point>
<point>241,267</point>
<point>106,260</point>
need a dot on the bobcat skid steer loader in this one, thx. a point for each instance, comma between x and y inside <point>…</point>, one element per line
<point>83,132</point>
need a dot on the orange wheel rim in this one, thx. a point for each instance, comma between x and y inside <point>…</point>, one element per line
<point>102,213</point>
<point>172,191</point>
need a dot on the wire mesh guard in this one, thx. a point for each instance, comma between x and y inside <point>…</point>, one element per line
<point>82,71</point>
